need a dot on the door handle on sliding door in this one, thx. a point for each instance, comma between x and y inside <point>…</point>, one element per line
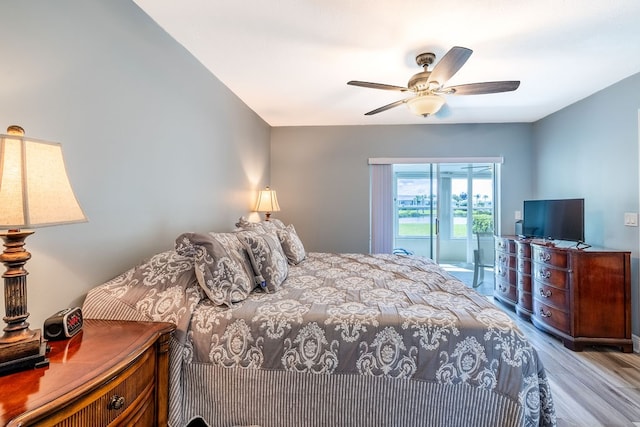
<point>437,226</point>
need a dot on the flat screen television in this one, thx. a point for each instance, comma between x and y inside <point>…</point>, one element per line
<point>561,219</point>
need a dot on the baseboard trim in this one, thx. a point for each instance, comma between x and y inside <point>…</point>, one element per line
<point>636,343</point>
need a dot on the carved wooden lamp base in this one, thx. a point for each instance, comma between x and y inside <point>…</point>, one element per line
<point>37,359</point>
<point>20,347</point>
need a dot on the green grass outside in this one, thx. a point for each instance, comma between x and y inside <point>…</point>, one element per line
<point>414,229</point>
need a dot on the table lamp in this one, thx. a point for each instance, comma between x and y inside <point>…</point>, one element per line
<point>34,192</point>
<point>267,202</point>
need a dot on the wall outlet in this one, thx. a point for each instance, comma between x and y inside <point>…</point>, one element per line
<point>518,215</point>
<point>631,219</point>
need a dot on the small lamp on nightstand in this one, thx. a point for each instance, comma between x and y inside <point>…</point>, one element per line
<point>34,192</point>
<point>267,202</point>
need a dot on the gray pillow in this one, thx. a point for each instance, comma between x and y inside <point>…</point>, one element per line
<point>244,224</point>
<point>267,258</point>
<point>291,244</point>
<point>222,265</point>
<point>261,226</point>
<point>163,288</point>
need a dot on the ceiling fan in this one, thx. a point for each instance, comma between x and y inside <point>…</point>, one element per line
<point>428,86</point>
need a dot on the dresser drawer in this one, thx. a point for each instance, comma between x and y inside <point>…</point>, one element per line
<point>548,275</point>
<point>524,282</point>
<point>506,245</point>
<point>525,300</point>
<point>523,249</point>
<point>127,398</point>
<point>505,261</point>
<point>548,295</point>
<point>506,291</point>
<point>551,316</point>
<point>549,256</point>
<point>524,265</point>
<point>505,273</point>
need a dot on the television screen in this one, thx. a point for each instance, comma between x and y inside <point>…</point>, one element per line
<point>554,219</point>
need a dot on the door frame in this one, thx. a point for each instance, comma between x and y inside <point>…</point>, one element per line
<point>439,160</point>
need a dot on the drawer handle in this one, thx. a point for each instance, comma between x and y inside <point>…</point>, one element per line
<point>545,314</point>
<point>117,402</point>
<point>544,256</point>
<point>503,289</point>
<point>545,294</point>
<point>545,274</point>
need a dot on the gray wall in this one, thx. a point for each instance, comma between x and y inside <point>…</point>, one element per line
<point>322,176</point>
<point>590,150</point>
<point>154,144</point>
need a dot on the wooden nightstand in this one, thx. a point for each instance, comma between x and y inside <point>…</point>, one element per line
<point>111,372</point>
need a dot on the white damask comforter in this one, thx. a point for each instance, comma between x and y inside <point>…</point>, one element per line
<point>349,339</point>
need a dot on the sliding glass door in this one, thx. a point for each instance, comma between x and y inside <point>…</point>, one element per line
<point>416,209</point>
<point>444,211</point>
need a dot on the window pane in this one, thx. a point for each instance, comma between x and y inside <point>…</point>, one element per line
<point>482,205</point>
<point>413,207</point>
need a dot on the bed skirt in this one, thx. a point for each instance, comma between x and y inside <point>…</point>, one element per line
<point>229,397</point>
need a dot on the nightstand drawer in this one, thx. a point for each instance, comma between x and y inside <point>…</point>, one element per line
<point>126,397</point>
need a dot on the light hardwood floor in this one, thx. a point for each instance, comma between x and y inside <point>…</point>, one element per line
<point>599,386</point>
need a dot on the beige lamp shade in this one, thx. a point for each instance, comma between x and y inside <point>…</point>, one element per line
<point>34,187</point>
<point>425,105</point>
<point>267,201</point>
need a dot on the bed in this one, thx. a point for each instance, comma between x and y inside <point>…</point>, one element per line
<point>271,335</point>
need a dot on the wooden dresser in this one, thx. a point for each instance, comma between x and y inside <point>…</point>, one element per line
<point>111,373</point>
<point>582,296</point>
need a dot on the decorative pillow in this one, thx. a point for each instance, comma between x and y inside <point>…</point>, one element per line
<point>268,259</point>
<point>291,244</point>
<point>271,225</point>
<point>163,288</point>
<point>278,224</point>
<point>244,224</point>
<point>221,264</point>
<point>268,226</point>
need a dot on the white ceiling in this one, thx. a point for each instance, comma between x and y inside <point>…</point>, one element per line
<point>290,60</point>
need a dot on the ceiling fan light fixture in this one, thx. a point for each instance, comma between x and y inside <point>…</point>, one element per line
<point>425,105</point>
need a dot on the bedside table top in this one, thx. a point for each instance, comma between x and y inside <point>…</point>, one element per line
<point>102,348</point>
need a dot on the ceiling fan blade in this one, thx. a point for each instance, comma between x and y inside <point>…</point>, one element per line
<point>377,86</point>
<point>386,107</point>
<point>450,63</point>
<point>482,88</point>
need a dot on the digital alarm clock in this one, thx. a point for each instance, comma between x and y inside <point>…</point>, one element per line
<point>64,324</point>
